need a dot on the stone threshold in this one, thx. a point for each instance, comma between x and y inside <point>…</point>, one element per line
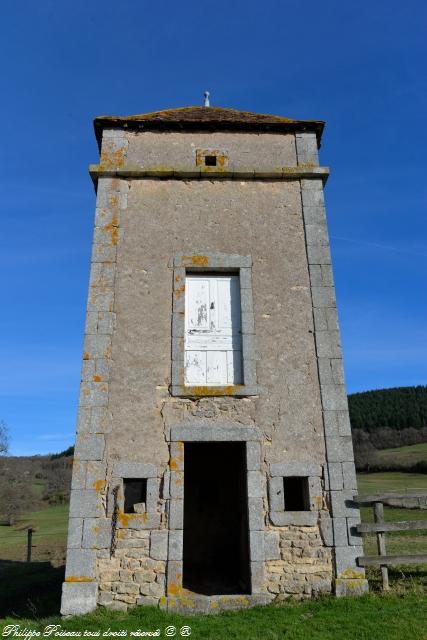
<point>199,173</point>
<point>193,603</point>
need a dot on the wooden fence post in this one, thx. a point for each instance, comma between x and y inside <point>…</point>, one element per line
<point>379,517</point>
<point>29,543</point>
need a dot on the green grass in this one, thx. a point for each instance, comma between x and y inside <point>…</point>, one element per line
<point>49,537</point>
<point>368,618</point>
<point>404,455</point>
<point>386,481</point>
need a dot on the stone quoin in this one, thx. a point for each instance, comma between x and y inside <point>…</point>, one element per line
<point>213,462</point>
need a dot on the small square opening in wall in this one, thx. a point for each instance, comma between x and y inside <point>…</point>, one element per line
<point>135,495</point>
<point>210,161</point>
<point>296,494</point>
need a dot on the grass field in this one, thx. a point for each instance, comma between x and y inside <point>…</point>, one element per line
<point>404,455</point>
<point>367,618</point>
<point>385,481</point>
<point>49,537</point>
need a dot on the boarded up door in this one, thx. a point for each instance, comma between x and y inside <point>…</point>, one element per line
<point>213,340</point>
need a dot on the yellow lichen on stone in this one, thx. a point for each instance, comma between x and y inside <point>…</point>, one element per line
<point>78,579</point>
<point>195,261</point>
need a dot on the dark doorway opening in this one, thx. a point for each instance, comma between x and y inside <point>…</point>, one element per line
<point>216,546</point>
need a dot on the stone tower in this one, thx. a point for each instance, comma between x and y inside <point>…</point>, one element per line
<point>213,463</point>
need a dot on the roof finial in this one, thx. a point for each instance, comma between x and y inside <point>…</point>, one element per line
<point>207,103</point>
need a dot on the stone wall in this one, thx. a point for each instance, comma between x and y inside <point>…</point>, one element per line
<point>300,564</point>
<point>136,573</point>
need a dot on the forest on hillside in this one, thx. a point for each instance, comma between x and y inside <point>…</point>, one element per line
<point>397,408</point>
<point>387,418</point>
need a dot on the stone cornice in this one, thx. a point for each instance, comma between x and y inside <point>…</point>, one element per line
<point>211,173</point>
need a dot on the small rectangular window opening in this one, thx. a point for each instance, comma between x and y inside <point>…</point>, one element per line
<point>210,161</point>
<point>135,494</point>
<point>296,494</point>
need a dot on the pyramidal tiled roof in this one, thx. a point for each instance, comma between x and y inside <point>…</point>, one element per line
<point>207,118</point>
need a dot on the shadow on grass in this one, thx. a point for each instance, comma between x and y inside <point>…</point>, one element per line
<point>30,589</point>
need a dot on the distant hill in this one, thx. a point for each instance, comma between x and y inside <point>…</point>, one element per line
<point>386,419</point>
<point>397,408</point>
<point>28,483</point>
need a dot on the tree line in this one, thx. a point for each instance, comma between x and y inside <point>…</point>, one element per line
<point>397,408</point>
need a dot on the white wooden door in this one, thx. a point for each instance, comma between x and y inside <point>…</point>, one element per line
<point>213,340</point>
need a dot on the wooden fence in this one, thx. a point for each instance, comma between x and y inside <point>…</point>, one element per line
<point>380,528</point>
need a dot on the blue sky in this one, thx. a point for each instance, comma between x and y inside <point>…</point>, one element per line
<point>359,66</point>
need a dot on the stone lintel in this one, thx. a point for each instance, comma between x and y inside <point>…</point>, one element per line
<point>189,432</point>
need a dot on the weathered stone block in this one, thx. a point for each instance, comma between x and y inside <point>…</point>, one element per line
<point>134,470</point>
<point>256,542</point>
<point>317,234</point>
<point>312,197</point>
<point>96,475</point>
<point>75,527</point>
<point>218,433</point>
<point>345,560</point>
<point>147,601</point>
<point>343,505</point>
<point>326,531</point>
<point>79,475</point>
<point>271,545</point>
<point>334,397</point>
<point>340,532</point>
<point>306,146</point>
<point>153,486</point>
<point>98,346</point>
<point>318,254</point>
<point>339,449</point>
<point>276,493</point>
<point>257,577</point>
<point>354,538</point>
<point>159,545</point>
<point>314,214</point>
<point>175,544</point>
<point>245,274</point>
<point>78,598</point>
<point>102,252</point>
<point>256,484</point>
<point>97,533</point>
<point>101,420</point>
<point>335,476</point>
<point>84,503</point>
<point>89,447</point>
<point>93,394</point>
<point>80,565</point>
<point>349,475</point>
<point>177,485</point>
<point>106,322</point>
<point>176,514</point>
<point>352,587</point>
<point>300,518</point>
<point>328,344</point>
<point>286,469</point>
<point>105,598</point>
<point>253,456</point>
<point>256,514</point>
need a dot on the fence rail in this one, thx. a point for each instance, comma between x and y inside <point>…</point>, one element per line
<point>380,527</point>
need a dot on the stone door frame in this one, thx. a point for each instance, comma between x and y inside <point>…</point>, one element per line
<point>256,492</point>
